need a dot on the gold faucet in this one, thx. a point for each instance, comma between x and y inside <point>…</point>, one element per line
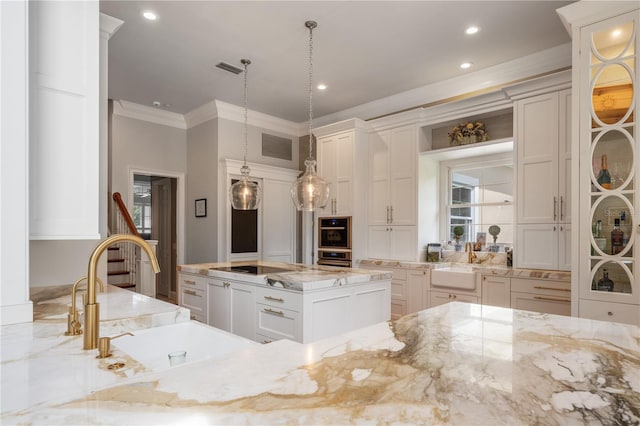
<point>91,308</point>
<point>468,247</point>
<point>74,327</point>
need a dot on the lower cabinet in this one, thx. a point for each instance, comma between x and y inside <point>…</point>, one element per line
<point>265,314</point>
<point>551,297</point>
<point>496,291</point>
<point>439,297</point>
<point>610,311</point>
<point>409,290</point>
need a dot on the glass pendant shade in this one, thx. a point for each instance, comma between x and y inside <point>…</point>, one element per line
<point>245,194</point>
<point>310,191</point>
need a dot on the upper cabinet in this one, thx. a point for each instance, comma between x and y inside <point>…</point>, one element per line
<point>606,59</point>
<point>64,167</point>
<point>392,176</point>
<point>543,194</point>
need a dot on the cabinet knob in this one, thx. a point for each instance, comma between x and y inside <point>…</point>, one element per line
<point>610,313</point>
<point>225,284</point>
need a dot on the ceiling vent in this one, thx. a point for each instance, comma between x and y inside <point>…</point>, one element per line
<point>229,67</point>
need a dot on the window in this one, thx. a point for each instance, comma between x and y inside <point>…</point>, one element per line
<point>479,195</point>
<point>142,204</point>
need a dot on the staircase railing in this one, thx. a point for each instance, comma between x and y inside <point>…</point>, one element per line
<point>123,224</point>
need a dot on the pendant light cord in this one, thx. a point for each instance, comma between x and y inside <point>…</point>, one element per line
<point>246,63</point>
<point>311,25</point>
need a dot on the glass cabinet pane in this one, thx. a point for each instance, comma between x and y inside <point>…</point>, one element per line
<point>613,150</point>
<point>612,277</point>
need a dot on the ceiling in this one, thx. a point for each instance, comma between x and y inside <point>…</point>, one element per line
<point>363,51</point>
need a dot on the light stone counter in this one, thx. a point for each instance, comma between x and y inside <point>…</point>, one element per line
<point>298,277</point>
<point>456,364</point>
<point>483,268</point>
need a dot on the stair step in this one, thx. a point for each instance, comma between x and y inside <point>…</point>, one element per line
<point>125,285</point>
<point>117,273</point>
<point>115,260</point>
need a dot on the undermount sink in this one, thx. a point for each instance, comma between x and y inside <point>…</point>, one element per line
<point>151,347</point>
<point>454,276</point>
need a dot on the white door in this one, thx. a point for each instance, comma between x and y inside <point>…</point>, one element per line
<point>218,305</point>
<point>328,168</point>
<point>344,175</point>
<point>279,221</point>
<point>403,243</point>
<point>537,246</point>
<point>243,310</point>
<point>379,178</point>
<point>379,242</point>
<point>402,182</point>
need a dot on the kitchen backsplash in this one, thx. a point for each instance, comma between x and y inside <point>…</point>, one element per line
<point>482,257</point>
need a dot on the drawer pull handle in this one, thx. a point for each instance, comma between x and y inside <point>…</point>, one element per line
<point>274,312</point>
<point>610,313</point>
<point>191,292</point>
<point>190,282</point>
<point>277,299</point>
<point>551,298</point>
<point>193,316</point>
<point>225,284</point>
<point>266,341</point>
<point>551,288</point>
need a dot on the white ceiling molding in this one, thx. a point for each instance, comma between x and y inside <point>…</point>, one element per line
<point>145,113</point>
<point>546,61</point>
<point>586,12</point>
<point>227,111</point>
<point>109,25</point>
<point>354,123</point>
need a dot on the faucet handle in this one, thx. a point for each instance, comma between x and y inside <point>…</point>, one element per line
<point>74,327</point>
<point>104,345</point>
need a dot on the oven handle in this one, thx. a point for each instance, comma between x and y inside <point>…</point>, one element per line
<point>333,228</point>
<point>346,264</point>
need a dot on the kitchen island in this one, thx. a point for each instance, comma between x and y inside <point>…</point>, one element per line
<point>268,301</point>
<point>455,364</point>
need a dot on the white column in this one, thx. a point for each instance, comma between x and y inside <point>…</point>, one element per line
<point>14,169</point>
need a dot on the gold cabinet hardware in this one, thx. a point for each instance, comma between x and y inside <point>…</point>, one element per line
<point>190,292</point>
<point>555,207</point>
<point>551,299</point>
<point>551,288</point>
<point>190,282</point>
<point>225,284</point>
<point>277,299</point>
<point>274,312</point>
<point>266,341</point>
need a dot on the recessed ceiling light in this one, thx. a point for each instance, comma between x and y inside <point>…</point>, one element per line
<point>149,15</point>
<point>472,30</point>
<point>616,33</point>
<point>466,65</point>
<point>322,87</point>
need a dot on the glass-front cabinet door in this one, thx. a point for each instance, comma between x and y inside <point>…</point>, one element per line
<point>609,152</point>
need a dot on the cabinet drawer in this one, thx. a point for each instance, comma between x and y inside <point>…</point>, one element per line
<point>609,311</point>
<point>280,299</point>
<point>193,282</point>
<point>399,290</point>
<point>399,274</point>
<point>554,304</point>
<point>278,322</point>
<point>201,317</point>
<point>559,289</point>
<point>441,297</point>
<point>398,308</point>
<point>263,338</point>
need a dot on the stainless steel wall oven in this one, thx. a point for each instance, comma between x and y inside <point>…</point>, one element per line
<point>334,241</point>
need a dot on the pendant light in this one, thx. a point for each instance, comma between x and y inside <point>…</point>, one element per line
<point>245,194</point>
<point>310,192</point>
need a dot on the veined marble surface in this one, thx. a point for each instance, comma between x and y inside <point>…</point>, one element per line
<point>299,277</point>
<point>455,364</point>
<point>484,268</point>
<point>40,364</point>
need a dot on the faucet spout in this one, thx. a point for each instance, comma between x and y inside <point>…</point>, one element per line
<point>468,247</point>
<point>73,325</point>
<point>91,307</point>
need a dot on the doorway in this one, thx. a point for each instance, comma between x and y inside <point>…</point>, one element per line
<point>155,216</point>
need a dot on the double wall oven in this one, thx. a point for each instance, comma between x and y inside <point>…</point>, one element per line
<point>334,241</point>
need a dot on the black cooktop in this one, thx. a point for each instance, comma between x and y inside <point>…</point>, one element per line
<point>252,269</point>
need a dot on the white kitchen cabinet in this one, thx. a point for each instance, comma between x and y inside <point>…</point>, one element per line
<point>192,294</point>
<point>277,314</point>
<point>279,218</point>
<point>417,297</point>
<point>64,145</point>
<point>548,296</point>
<point>543,207</point>
<point>231,307</point>
<point>342,152</point>
<point>393,156</point>
<point>438,298</point>
<point>393,242</point>
<point>496,291</point>
<point>606,71</point>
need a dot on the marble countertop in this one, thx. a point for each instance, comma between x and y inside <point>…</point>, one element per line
<point>298,277</point>
<point>453,364</point>
<point>482,268</point>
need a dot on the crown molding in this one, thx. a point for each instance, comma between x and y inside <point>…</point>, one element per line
<point>145,113</point>
<point>546,61</point>
<point>341,126</point>
<point>227,111</point>
<point>584,12</point>
<point>109,25</point>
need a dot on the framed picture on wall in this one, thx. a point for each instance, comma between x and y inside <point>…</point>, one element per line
<point>201,207</point>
